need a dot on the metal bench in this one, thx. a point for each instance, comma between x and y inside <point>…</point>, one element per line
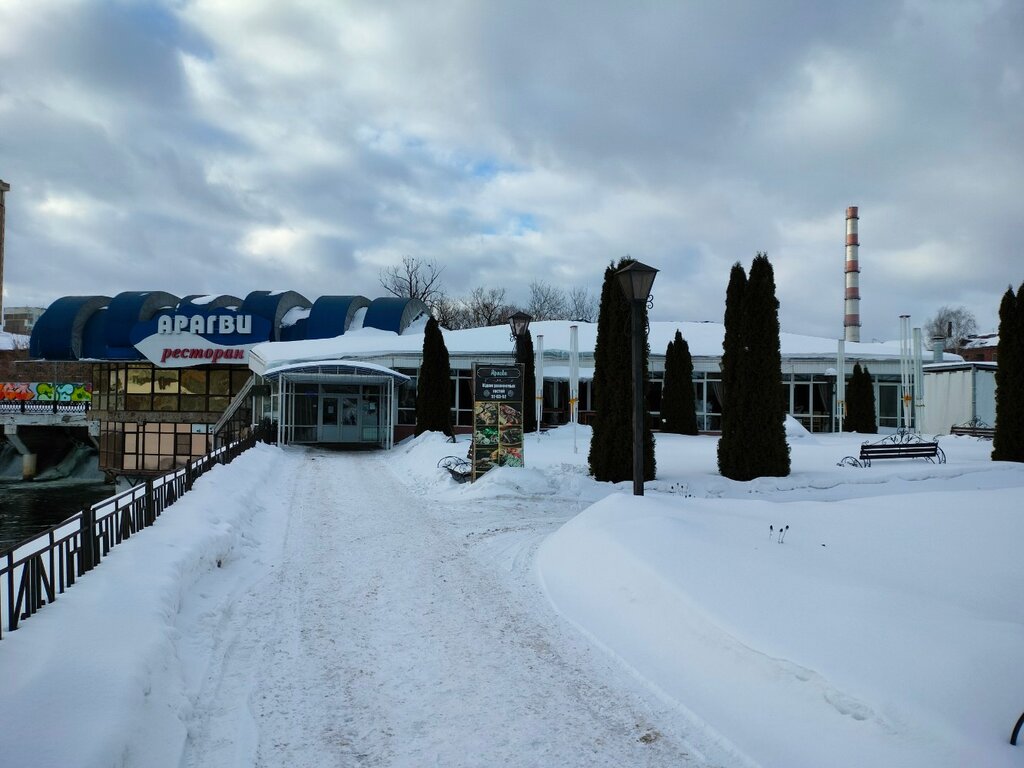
<point>902,445</point>
<point>974,428</point>
<point>458,467</point>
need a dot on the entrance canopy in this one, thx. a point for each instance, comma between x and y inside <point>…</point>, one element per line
<point>332,370</point>
<point>335,402</point>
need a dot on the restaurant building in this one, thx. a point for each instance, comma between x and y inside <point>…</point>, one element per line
<point>171,375</point>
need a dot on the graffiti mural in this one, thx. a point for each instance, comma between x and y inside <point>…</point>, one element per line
<point>46,391</point>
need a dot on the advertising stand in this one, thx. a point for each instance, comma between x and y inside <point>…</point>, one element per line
<point>497,417</point>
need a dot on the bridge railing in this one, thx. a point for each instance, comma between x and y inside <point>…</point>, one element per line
<point>44,406</point>
<point>38,570</point>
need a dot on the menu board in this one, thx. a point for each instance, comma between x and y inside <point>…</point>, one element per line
<point>497,417</point>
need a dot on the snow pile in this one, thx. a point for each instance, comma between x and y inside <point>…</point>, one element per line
<point>104,656</point>
<point>886,629</point>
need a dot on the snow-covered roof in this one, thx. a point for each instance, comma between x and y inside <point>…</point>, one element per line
<point>13,341</point>
<point>704,340</point>
<point>982,342</point>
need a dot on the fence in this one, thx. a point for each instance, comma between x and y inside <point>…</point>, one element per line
<point>44,406</point>
<point>34,572</point>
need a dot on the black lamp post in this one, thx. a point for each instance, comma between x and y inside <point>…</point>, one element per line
<point>636,281</point>
<point>520,324</point>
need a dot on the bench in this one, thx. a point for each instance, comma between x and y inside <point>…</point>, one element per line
<point>899,446</point>
<point>974,429</point>
<point>458,467</point>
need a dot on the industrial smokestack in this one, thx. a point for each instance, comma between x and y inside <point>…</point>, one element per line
<point>851,321</point>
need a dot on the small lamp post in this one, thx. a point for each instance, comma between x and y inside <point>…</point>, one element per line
<point>520,324</point>
<point>636,281</point>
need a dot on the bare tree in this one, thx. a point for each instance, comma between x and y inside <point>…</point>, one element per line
<point>487,306</point>
<point>954,324</point>
<point>414,279</point>
<point>581,305</point>
<point>450,313</point>
<point>547,302</point>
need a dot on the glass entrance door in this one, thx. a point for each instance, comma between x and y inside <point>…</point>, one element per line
<point>350,417</point>
<point>329,429</point>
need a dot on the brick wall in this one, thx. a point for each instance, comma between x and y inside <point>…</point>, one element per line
<point>14,366</point>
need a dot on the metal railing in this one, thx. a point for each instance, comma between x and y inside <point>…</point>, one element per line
<point>237,402</point>
<point>34,572</point>
<point>44,406</point>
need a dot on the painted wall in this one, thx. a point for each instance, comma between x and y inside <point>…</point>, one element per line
<point>46,391</point>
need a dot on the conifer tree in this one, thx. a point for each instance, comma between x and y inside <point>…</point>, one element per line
<point>765,410</point>
<point>611,443</point>
<point>753,442</point>
<point>854,400</point>
<point>434,397</point>
<point>860,402</point>
<point>1008,441</point>
<point>869,421</point>
<point>678,412</point>
<point>729,445</point>
<point>525,355</point>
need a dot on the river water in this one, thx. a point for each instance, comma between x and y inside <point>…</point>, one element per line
<point>28,508</point>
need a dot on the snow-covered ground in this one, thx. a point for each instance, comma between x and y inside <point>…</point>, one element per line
<point>307,608</point>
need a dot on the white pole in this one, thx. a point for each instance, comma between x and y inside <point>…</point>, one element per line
<point>905,395</point>
<point>840,383</point>
<point>918,380</point>
<point>539,376</point>
<point>574,381</point>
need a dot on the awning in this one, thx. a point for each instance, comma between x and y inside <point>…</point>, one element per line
<point>327,371</point>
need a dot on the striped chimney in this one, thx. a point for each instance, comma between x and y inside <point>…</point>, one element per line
<point>851,321</point>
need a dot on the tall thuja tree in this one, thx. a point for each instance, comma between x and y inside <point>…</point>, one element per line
<point>434,389</point>
<point>869,422</point>
<point>854,400</point>
<point>1008,442</point>
<point>731,442</point>
<point>525,355</point>
<point>766,449</point>
<point>611,443</point>
<point>678,412</point>
<point>860,402</point>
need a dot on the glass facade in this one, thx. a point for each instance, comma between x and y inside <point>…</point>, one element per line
<point>144,387</point>
<point>150,447</point>
<point>154,419</point>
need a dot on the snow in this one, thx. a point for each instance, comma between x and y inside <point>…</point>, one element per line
<point>309,608</point>
<point>10,341</point>
<point>704,339</point>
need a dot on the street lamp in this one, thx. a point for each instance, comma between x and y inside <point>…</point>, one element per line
<point>520,324</point>
<point>636,281</point>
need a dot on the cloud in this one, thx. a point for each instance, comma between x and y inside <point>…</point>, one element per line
<point>228,145</point>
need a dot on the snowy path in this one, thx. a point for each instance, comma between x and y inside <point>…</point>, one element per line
<point>379,639</point>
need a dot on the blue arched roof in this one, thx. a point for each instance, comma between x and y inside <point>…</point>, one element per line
<point>273,305</point>
<point>94,345</point>
<point>393,314</point>
<point>57,334</point>
<point>74,327</point>
<point>206,302</point>
<point>332,315</point>
<point>128,308</point>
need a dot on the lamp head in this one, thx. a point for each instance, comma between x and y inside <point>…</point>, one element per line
<point>519,323</point>
<point>636,280</point>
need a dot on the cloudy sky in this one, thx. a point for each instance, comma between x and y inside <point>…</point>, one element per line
<point>224,146</point>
